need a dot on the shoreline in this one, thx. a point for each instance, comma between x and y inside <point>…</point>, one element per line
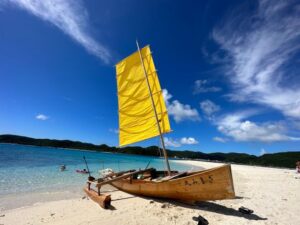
<point>30,197</point>
<point>272,193</point>
<point>210,164</point>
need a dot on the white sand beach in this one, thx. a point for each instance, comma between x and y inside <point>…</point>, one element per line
<point>272,193</point>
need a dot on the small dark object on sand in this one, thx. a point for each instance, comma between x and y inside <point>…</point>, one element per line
<point>245,210</point>
<point>165,205</point>
<point>201,220</point>
<point>151,201</point>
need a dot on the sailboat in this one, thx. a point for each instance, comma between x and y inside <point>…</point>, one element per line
<point>143,115</point>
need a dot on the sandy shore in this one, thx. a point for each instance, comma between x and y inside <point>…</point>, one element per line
<point>273,194</point>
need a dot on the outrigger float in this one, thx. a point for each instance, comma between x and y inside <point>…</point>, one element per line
<point>143,115</point>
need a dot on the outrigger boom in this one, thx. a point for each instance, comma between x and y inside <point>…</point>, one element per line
<point>104,200</point>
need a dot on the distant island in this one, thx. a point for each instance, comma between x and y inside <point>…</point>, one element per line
<point>281,159</point>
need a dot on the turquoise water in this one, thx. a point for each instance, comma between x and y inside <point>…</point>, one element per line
<point>29,168</point>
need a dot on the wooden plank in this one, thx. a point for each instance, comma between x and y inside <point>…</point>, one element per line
<point>118,174</point>
<point>99,184</point>
<point>172,177</point>
<point>121,177</point>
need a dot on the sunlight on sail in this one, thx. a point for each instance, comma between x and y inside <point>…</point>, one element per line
<point>137,120</point>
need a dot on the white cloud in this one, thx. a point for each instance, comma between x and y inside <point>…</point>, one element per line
<point>169,142</point>
<point>41,117</point>
<point>179,111</point>
<point>201,86</point>
<point>263,152</point>
<point>220,139</point>
<point>240,128</point>
<point>188,141</point>
<point>70,17</point>
<point>166,95</point>
<point>260,55</point>
<point>209,108</point>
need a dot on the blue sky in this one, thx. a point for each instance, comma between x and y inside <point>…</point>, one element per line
<point>229,69</point>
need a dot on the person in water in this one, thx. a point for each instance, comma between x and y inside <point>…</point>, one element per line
<point>62,167</point>
<point>298,166</point>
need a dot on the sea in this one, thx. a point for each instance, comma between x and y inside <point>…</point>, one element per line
<point>25,169</point>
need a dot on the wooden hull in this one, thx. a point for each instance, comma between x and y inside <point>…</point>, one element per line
<point>211,184</point>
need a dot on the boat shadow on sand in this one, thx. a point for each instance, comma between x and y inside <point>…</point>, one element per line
<point>221,209</point>
<point>203,206</point>
<point>210,207</point>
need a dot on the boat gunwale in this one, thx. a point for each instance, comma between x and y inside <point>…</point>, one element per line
<point>184,177</point>
<point>200,172</point>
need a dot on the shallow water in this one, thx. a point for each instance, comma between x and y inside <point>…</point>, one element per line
<point>30,168</point>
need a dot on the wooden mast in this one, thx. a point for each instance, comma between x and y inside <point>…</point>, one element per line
<point>155,112</point>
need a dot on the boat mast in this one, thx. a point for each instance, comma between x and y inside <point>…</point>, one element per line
<point>155,112</point>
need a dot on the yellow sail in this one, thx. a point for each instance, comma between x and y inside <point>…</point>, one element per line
<point>137,119</point>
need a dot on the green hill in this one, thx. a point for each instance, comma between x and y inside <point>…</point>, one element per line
<point>282,159</point>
